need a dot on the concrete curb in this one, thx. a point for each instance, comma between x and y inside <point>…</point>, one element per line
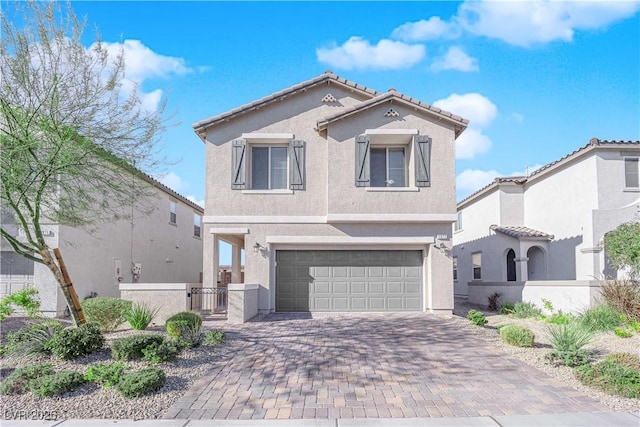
<point>595,419</point>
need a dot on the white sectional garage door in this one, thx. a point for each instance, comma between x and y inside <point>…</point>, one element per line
<point>348,280</point>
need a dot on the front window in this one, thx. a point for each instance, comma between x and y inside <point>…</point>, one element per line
<point>197,222</point>
<point>476,260</point>
<point>459,222</point>
<point>631,178</point>
<point>268,168</point>
<point>388,167</point>
<point>173,218</point>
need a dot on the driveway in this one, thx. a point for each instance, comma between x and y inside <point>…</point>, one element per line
<point>368,365</point>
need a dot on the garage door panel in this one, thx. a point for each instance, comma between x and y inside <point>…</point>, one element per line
<point>353,280</point>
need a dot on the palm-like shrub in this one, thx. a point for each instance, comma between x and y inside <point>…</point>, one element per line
<point>568,341</point>
<point>140,315</point>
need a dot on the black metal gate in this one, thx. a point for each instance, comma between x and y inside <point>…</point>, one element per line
<point>210,299</point>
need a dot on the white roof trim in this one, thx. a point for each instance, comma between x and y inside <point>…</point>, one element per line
<point>347,240</point>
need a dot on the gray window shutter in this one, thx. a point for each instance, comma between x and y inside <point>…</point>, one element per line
<point>362,161</point>
<point>296,165</point>
<point>238,154</point>
<point>423,161</point>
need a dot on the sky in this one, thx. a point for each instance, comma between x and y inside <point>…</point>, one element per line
<point>536,79</point>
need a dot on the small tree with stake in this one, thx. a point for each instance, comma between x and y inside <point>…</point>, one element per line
<point>70,134</point>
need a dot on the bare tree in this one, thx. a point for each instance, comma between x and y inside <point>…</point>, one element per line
<point>72,136</point>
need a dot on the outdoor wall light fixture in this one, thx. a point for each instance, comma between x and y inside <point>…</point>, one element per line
<point>257,247</point>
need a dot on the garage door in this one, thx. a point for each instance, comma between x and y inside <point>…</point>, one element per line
<point>348,280</point>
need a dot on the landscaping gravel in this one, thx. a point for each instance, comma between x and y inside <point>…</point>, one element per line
<point>92,401</point>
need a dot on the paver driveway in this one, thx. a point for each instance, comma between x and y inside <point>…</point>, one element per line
<point>368,365</point>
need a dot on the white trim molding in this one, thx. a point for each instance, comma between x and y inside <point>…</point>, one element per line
<point>252,136</point>
<point>348,240</point>
<point>229,231</point>
<point>254,219</point>
<point>390,218</point>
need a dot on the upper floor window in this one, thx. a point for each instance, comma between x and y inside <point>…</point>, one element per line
<point>268,168</point>
<point>173,218</point>
<point>631,176</point>
<point>476,261</point>
<point>382,159</point>
<point>267,163</point>
<point>197,224</point>
<point>455,268</point>
<point>458,225</point>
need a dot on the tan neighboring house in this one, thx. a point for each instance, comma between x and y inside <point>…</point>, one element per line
<point>541,236</point>
<point>342,197</point>
<point>162,247</point>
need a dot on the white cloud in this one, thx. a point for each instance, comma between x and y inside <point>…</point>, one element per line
<point>142,63</point>
<point>173,181</point>
<point>478,109</point>
<point>471,143</point>
<point>523,23</point>
<point>199,202</point>
<point>359,53</point>
<point>455,59</point>
<point>516,117</point>
<point>430,29</point>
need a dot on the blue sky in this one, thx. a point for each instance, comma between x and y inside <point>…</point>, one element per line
<point>536,79</point>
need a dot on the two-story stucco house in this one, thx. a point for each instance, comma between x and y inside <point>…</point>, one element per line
<point>541,236</point>
<point>342,196</point>
<point>163,246</point>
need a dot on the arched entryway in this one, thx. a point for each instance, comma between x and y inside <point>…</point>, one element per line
<point>511,265</point>
<point>536,266</point>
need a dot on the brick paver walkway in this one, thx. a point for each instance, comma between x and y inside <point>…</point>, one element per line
<point>368,365</point>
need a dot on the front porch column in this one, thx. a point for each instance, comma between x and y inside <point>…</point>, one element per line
<point>216,260</point>
<point>522,271</point>
<point>236,260</point>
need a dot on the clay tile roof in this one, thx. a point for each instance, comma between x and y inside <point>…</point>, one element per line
<point>520,232</point>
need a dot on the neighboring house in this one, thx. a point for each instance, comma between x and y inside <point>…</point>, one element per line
<point>343,198</point>
<point>164,246</point>
<point>527,237</point>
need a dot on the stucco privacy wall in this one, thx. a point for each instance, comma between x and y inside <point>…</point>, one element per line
<point>169,298</point>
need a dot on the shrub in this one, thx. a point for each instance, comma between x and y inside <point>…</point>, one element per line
<point>141,382</point>
<point>625,359</point>
<point>18,380</point>
<point>560,318</point>
<point>162,352</point>
<point>568,341</point>
<point>108,313</point>
<point>31,341</point>
<point>24,298</point>
<point>131,347</point>
<point>71,343</point>
<point>180,321</point>
<point>493,301</point>
<point>55,384</point>
<point>517,335</point>
<point>622,333</point>
<point>523,310</point>
<point>623,296</point>
<point>507,308</point>
<point>477,317</point>
<point>190,336</point>
<point>601,318</point>
<point>613,375</point>
<point>105,374</point>
<point>213,337</point>
<point>141,315</point>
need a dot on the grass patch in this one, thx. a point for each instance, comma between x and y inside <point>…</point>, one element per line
<point>618,374</point>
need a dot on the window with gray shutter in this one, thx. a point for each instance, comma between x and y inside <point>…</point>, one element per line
<point>238,154</point>
<point>423,160</point>
<point>296,163</point>
<point>362,161</point>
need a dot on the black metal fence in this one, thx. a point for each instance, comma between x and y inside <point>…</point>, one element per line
<point>211,299</point>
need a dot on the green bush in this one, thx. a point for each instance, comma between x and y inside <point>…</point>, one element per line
<point>108,313</point>
<point>507,308</point>
<point>56,384</point>
<point>105,374</point>
<point>559,318</point>
<point>18,381</point>
<point>24,298</point>
<point>517,335</point>
<point>601,318</point>
<point>190,336</point>
<point>523,310</point>
<point>613,375</point>
<point>131,347</point>
<point>181,321</point>
<point>71,343</point>
<point>622,333</point>
<point>625,359</point>
<point>213,337</point>
<point>477,317</point>
<point>568,341</point>
<point>139,383</point>
<point>140,315</point>
<point>158,353</point>
<point>31,341</point>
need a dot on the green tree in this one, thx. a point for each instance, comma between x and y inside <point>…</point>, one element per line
<point>623,247</point>
<point>71,132</point>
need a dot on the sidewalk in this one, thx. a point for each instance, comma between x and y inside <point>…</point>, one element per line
<point>600,419</point>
